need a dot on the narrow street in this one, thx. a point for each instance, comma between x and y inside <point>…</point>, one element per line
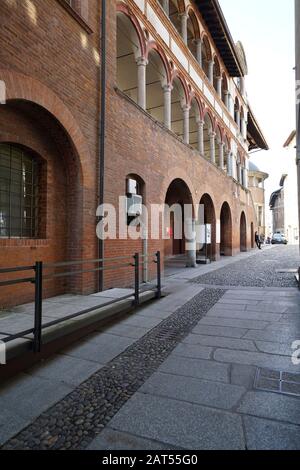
<point>207,367</point>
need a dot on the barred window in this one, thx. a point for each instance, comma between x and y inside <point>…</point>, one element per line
<point>18,192</point>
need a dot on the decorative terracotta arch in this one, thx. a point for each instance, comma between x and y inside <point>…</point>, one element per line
<point>123,8</point>
<point>195,22</point>
<point>217,65</point>
<point>23,87</point>
<point>195,97</point>
<point>152,45</point>
<point>177,74</point>
<point>208,112</point>
<point>207,46</point>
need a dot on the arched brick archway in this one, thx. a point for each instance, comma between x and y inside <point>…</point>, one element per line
<point>23,88</point>
<point>178,194</point>
<point>226,230</point>
<point>36,118</point>
<point>243,233</point>
<point>210,219</point>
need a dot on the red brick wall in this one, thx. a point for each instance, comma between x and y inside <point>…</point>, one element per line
<point>49,59</point>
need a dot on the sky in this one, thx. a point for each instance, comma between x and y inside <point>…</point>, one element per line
<point>266,30</point>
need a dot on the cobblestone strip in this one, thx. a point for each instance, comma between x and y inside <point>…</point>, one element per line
<point>76,420</point>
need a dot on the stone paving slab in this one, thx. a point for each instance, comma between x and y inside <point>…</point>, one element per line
<point>256,359</point>
<point>128,331</point>
<point>220,331</point>
<point>65,369</point>
<point>197,368</point>
<point>245,315</point>
<point>234,323</point>
<point>28,396</point>
<point>235,302</point>
<point>141,321</point>
<point>10,424</point>
<point>268,307</point>
<point>101,349</point>
<point>243,375</point>
<point>178,423</point>
<point>220,342</point>
<point>272,336</point>
<point>115,440</point>
<point>201,392</point>
<point>114,293</point>
<point>271,435</point>
<point>274,348</point>
<point>193,351</point>
<point>272,406</point>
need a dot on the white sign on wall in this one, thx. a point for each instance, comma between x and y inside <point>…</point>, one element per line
<point>208,234</point>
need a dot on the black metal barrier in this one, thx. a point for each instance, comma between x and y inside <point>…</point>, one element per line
<point>40,277</point>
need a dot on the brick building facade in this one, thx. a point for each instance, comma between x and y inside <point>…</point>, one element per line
<point>178,122</point>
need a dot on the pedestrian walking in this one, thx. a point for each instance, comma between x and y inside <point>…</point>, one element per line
<point>258,240</point>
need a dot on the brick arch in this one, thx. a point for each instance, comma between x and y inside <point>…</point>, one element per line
<point>123,8</point>
<point>207,112</point>
<point>226,246</point>
<point>207,46</point>
<point>195,97</point>
<point>23,87</point>
<point>195,22</point>
<point>177,74</point>
<point>152,45</point>
<point>178,174</point>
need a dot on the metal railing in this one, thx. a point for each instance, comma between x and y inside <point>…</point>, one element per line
<point>40,277</point>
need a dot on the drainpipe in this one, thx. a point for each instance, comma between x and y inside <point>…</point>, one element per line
<point>102,132</point>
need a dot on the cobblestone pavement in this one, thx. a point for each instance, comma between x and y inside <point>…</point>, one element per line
<point>259,270</point>
<point>216,374</point>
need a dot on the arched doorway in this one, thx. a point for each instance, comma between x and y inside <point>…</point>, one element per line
<point>208,211</point>
<point>226,230</point>
<point>39,221</point>
<point>178,196</point>
<point>243,233</point>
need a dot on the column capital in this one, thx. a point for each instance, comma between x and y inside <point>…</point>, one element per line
<point>185,107</point>
<point>167,88</point>
<point>184,14</point>
<point>142,61</point>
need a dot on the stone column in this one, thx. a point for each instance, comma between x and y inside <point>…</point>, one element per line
<point>226,101</point>
<point>211,71</point>
<point>167,106</point>
<point>229,163</point>
<point>200,125</point>
<point>184,29</point>
<point>191,243</point>
<point>199,51</point>
<point>238,118</point>
<point>212,137</point>
<point>240,173</point>
<point>186,124</point>
<point>166,7</point>
<point>141,66</point>
<point>221,155</point>
<point>219,87</point>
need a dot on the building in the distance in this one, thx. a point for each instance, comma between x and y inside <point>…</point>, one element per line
<point>256,183</point>
<point>284,201</point>
<point>179,129</point>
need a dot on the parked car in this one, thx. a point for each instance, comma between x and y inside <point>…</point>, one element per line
<point>279,239</point>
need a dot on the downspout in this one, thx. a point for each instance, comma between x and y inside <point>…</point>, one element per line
<point>102,133</point>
